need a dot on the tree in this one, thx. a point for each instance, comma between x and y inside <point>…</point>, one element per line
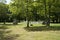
<point>35,10</point>
<point>17,8</point>
<point>21,7</point>
<point>3,11</point>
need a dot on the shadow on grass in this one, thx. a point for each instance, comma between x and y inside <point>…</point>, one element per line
<point>4,31</point>
<point>42,28</point>
<point>11,24</point>
<point>11,37</point>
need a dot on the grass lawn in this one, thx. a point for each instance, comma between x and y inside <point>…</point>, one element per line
<point>20,32</point>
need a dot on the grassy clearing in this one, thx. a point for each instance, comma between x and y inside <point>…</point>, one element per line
<point>18,32</point>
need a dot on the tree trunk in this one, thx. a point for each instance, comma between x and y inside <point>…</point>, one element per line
<point>45,9</point>
<point>27,23</point>
<point>4,21</point>
<point>53,21</point>
<point>48,21</point>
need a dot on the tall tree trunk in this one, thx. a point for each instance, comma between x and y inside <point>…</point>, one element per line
<point>53,21</point>
<point>27,23</point>
<point>45,13</point>
<point>4,21</point>
<point>27,13</point>
<point>48,21</point>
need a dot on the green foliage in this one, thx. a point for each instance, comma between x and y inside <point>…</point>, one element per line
<point>3,11</point>
<point>32,10</point>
